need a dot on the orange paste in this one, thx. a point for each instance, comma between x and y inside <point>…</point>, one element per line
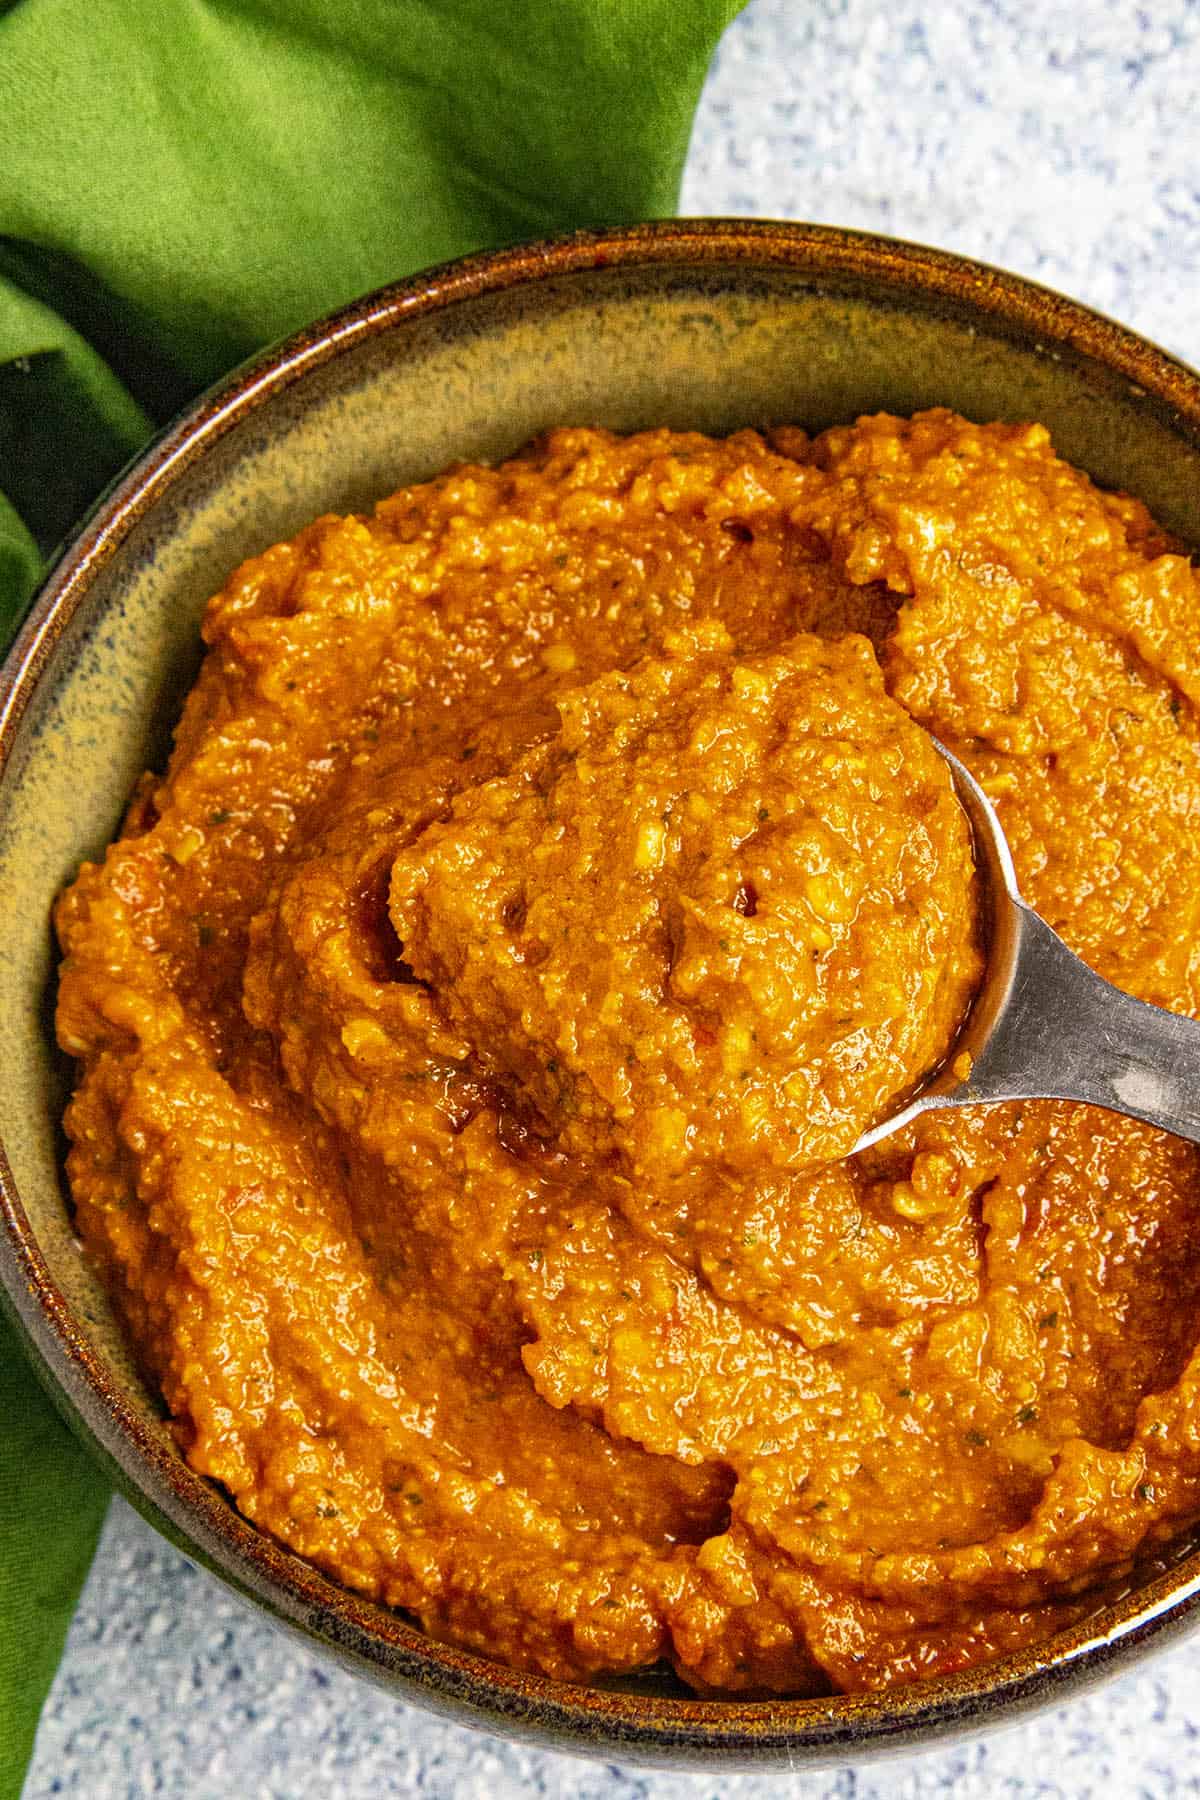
<point>552,877</point>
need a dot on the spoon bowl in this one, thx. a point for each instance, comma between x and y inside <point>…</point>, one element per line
<point>1043,1025</point>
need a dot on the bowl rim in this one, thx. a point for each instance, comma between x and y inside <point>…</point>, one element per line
<point>195,1514</point>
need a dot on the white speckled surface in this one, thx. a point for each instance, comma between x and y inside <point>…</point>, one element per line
<point>1058,142</point>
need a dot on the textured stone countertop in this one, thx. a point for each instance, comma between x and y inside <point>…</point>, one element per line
<point>1060,142</point>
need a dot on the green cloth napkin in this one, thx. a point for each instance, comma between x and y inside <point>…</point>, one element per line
<point>182,181</point>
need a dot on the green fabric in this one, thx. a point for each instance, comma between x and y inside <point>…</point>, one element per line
<point>182,181</point>
<point>51,1504</point>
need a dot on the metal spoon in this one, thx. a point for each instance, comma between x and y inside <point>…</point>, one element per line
<point>1043,1026</point>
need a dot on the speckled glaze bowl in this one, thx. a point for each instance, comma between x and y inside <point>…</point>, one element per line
<point>708,324</point>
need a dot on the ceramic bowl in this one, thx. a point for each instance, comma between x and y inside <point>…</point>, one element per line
<point>706,324</point>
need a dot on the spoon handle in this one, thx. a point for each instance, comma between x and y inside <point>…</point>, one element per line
<point>1059,1031</point>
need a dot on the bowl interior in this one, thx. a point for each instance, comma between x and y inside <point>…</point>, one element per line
<point>711,344</point>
